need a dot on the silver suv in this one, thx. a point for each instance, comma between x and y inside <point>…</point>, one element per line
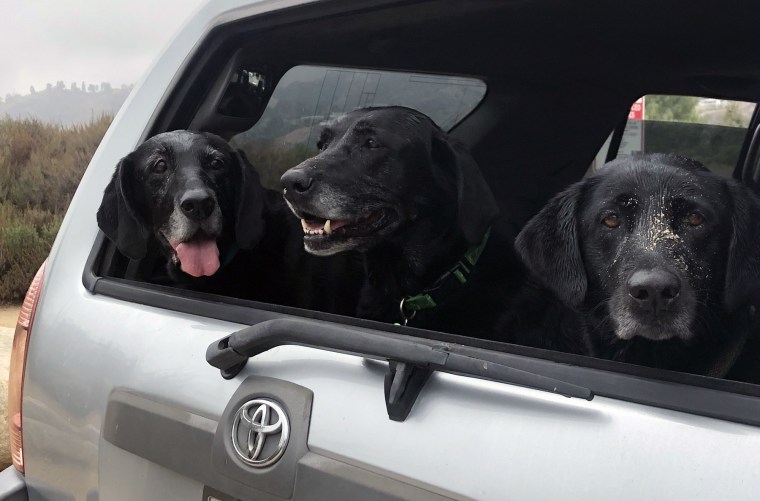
<point>122,388</point>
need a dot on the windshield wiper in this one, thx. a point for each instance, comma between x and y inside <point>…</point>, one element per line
<point>411,359</point>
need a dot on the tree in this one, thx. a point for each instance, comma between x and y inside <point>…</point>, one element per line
<point>671,108</point>
<point>31,90</point>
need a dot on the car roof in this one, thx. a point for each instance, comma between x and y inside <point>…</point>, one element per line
<point>696,47</point>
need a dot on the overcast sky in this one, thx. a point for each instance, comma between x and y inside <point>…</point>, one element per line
<point>43,41</point>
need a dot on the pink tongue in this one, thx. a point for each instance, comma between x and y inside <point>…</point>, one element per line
<point>198,258</point>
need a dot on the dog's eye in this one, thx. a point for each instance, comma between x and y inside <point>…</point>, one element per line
<point>371,143</point>
<point>695,219</point>
<point>160,167</point>
<point>216,164</point>
<point>611,221</point>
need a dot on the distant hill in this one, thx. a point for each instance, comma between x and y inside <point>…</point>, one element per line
<point>66,106</point>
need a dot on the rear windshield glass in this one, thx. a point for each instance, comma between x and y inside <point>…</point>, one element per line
<point>308,96</point>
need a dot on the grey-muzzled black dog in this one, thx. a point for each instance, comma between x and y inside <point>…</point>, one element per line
<point>661,256</point>
<point>389,183</point>
<point>193,193</point>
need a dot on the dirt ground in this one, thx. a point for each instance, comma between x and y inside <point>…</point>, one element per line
<point>8,316</point>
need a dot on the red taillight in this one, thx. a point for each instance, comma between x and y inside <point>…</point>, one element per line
<point>18,364</point>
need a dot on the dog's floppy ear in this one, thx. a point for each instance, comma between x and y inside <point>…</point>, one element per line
<point>743,268</point>
<point>477,207</point>
<point>249,204</point>
<point>550,247</point>
<point>118,217</point>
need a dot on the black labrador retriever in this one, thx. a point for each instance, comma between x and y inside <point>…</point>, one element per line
<point>220,231</point>
<point>661,256</point>
<point>389,183</point>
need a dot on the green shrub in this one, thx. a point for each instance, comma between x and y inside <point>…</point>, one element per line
<point>22,250</point>
<point>40,167</point>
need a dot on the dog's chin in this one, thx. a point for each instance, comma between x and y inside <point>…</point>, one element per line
<point>629,320</point>
<point>324,237</point>
<point>325,246</point>
<point>629,325</point>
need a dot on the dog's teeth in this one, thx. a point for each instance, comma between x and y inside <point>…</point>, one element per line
<point>303,225</point>
<point>327,228</point>
<point>321,232</point>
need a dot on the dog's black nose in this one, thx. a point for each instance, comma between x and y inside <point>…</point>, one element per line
<point>654,289</point>
<point>197,204</point>
<point>296,180</point>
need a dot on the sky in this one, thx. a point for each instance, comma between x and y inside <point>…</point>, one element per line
<point>44,41</point>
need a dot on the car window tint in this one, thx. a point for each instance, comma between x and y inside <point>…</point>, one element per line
<point>308,96</point>
<point>705,129</point>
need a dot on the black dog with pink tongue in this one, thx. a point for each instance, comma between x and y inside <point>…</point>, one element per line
<point>192,193</point>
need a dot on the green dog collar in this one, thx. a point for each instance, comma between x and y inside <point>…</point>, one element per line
<point>452,279</point>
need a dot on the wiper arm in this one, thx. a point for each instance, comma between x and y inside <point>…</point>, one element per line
<point>411,358</point>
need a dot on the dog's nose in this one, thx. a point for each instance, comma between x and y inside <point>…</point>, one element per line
<point>654,289</point>
<point>296,180</point>
<point>197,204</point>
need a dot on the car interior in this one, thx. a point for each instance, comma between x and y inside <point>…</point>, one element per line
<point>538,99</point>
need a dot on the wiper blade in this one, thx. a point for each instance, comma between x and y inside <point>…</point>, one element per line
<point>463,364</point>
<point>411,358</point>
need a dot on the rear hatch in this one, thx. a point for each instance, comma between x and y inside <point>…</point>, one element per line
<point>140,390</point>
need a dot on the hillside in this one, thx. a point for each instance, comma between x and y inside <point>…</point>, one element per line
<point>64,106</point>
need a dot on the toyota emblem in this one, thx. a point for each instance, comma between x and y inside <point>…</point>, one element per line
<point>255,428</point>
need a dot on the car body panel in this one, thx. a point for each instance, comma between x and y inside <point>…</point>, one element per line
<point>537,444</point>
